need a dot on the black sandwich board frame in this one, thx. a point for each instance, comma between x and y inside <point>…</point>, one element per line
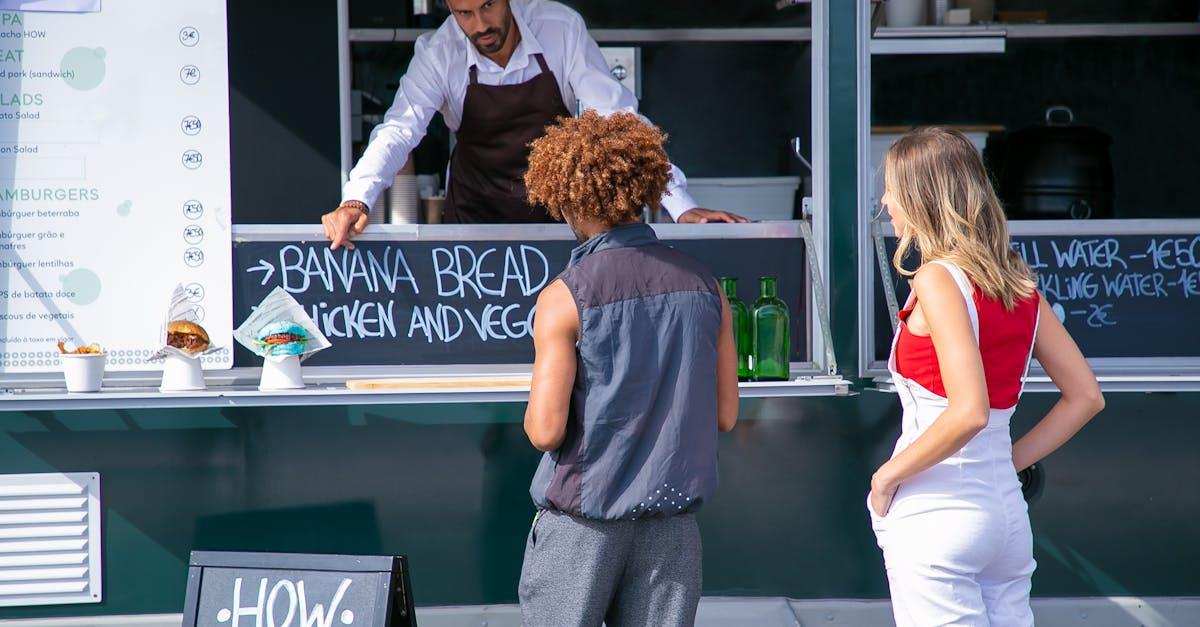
<point>1124,373</point>
<point>394,601</point>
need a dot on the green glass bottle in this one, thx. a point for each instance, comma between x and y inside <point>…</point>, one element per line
<point>771,335</point>
<point>741,327</point>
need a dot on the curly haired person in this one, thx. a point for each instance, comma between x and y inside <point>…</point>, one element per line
<point>635,373</point>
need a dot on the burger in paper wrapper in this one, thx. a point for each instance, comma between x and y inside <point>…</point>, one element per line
<point>187,336</point>
<point>282,337</point>
<point>280,328</point>
<point>181,334</point>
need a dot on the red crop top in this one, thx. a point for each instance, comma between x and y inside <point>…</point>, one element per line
<point>1005,339</point>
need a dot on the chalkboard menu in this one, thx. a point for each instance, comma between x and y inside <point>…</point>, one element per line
<point>426,302</point>
<point>277,589</point>
<point>1128,291</point>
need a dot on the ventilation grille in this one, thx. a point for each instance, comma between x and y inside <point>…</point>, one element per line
<point>49,539</point>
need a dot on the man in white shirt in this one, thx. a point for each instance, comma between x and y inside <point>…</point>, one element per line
<point>500,72</point>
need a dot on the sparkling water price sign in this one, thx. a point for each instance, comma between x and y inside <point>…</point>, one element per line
<point>1128,291</point>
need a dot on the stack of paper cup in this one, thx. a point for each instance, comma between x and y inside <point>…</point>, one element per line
<point>403,203</point>
<point>378,214</point>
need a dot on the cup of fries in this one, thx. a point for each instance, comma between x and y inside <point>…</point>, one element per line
<point>83,367</point>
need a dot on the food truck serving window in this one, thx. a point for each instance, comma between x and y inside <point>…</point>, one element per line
<point>1093,194</point>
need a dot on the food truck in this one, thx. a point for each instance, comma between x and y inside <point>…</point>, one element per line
<point>171,164</point>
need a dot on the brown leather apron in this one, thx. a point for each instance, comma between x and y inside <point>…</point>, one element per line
<point>487,168</point>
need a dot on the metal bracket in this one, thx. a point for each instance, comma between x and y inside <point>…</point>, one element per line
<point>876,16</point>
<point>885,274</point>
<point>814,271</point>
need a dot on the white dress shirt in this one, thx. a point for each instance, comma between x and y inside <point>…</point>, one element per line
<point>438,76</point>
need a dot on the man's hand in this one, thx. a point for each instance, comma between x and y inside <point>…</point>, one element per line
<point>699,215</point>
<point>343,223</point>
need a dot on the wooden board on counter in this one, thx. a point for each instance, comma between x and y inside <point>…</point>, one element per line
<point>439,383</point>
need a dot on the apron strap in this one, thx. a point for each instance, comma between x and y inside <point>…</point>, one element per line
<point>1029,360</point>
<point>541,61</point>
<point>474,73</point>
<point>968,292</point>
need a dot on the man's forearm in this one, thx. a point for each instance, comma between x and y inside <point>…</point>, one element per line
<point>370,177</point>
<point>393,140</point>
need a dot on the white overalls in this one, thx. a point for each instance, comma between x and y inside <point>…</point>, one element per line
<point>956,541</point>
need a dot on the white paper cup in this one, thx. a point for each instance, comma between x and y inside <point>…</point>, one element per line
<point>403,201</point>
<point>182,374</point>
<point>281,373</point>
<point>83,373</point>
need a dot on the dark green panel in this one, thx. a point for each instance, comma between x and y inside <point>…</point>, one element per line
<point>447,485</point>
<point>843,184</point>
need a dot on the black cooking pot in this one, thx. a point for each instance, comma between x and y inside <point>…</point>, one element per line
<point>1057,170</point>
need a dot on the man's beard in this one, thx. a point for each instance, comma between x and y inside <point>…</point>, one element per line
<point>501,36</point>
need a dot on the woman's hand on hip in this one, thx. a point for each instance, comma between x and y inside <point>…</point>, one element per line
<point>883,490</point>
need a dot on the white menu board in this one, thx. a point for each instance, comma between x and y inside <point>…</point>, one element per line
<point>114,176</point>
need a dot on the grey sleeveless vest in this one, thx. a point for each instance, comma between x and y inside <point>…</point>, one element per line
<point>641,436</point>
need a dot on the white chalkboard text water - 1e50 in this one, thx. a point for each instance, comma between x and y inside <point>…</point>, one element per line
<point>1128,291</point>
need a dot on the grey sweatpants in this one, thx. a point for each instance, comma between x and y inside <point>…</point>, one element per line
<point>626,573</point>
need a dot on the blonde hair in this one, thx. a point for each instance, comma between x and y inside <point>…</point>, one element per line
<point>952,213</point>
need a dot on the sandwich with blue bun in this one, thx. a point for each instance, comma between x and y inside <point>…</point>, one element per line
<point>282,338</point>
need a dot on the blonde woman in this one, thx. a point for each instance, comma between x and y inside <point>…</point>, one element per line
<point>947,508</point>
